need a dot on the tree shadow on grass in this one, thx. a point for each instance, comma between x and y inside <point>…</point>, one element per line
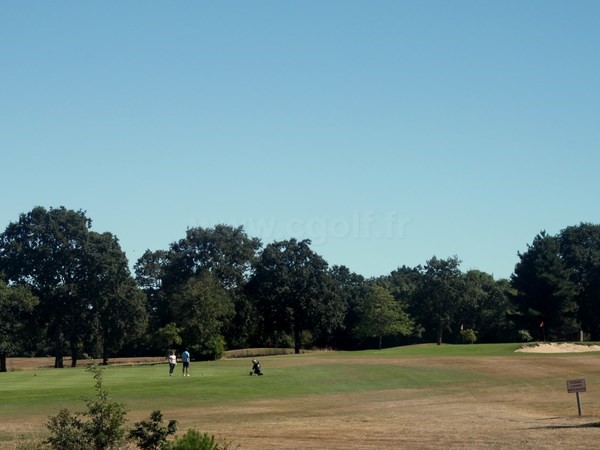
<point>558,427</point>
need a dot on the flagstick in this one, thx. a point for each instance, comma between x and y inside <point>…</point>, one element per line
<point>543,331</point>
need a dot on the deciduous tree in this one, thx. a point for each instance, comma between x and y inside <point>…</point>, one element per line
<point>116,304</point>
<point>227,254</point>
<point>439,295</point>
<point>44,251</point>
<point>202,308</point>
<point>16,307</point>
<point>294,291</point>
<point>350,289</point>
<point>382,315</point>
<point>149,275</point>
<point>488,308</point>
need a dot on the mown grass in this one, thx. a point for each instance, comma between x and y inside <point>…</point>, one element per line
<point>443,350</point>
<point>419,370</point>
<point>147,387</point>
<point>227,381</point>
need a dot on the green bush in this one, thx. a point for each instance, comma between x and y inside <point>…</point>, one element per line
<point>211,349</point>
<point>469,335</point>
<point>307,340</point>
<point>104,428</point>
<point>193,440</point>
<point>524,336</point>
<point>151,434</point>
<point>281,339</point>
<point>66,432</point>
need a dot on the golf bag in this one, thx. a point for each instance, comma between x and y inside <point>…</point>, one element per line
<point>256,370</point>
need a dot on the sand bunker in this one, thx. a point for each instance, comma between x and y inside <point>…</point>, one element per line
<point>558,347</point>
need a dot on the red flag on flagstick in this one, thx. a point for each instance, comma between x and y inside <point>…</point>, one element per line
<point>542,324</point>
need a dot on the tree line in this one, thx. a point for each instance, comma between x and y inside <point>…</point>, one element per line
<point>68,290</point>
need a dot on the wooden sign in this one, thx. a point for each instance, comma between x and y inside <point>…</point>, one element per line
<point>575,386</point>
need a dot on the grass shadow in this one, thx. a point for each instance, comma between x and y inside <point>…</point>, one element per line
<point>558,427</point>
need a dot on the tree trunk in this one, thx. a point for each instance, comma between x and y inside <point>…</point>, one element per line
<point>58,349</point>
<point>74,354</point>
<point>380,339</point>
<point>3,362</point>
<point>297,339</point>
<point>104,351</point>
<point>440,331</point>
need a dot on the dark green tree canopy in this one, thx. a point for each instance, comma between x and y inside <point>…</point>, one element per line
<point>82,279</point>
<point>45,251</point>
<point>488,307</point>
<point>218,287</point>
<point>17,304</point>
<point>149,274</point>
<point>545,290</point>
<point>224,251</point>
<point>350,289</point>
<point>202,308</point>
<point>150,270</point>
<point>439,296</point>
<point>294,291</point>
<point>44,248</point>
<point>580,251</point>
<point>116,303</point>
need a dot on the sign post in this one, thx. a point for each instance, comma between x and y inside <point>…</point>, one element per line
<point>576,386</point>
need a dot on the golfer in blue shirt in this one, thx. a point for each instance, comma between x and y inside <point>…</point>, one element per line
<point>185,359</point>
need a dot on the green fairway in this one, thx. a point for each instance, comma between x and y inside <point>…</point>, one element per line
<point>430,350</point>
<point>412,373</point>
<point>149,387</point>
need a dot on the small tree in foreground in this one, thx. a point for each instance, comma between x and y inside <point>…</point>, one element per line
<point>104,428</point>
<point>66,432</point>
<point>151,434</point>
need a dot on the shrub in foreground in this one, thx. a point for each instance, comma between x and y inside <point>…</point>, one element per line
<point>102,427</point>
<point>151,434</point>
<point>193,440</point>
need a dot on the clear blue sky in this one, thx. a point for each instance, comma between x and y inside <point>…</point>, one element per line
<point>385,131</point>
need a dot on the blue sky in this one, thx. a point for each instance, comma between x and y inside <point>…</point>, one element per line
<point>385,131</point>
